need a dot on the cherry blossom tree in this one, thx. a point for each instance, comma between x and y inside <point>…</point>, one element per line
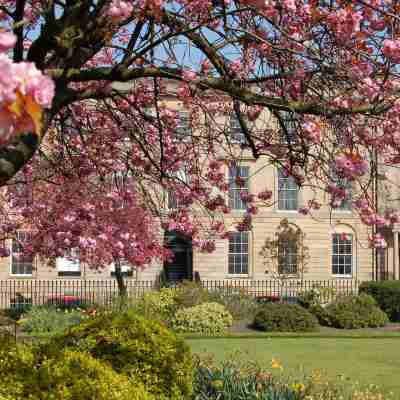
<point>83,85</point>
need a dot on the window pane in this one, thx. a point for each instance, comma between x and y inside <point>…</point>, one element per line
<point>238,258</point>
<point>342,254</point>
<point>235,129</point>
<point>235,190</point>
<point>287,192</point>
<point>21,263</point>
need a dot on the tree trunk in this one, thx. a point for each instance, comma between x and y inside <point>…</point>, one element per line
<point>122,292</point>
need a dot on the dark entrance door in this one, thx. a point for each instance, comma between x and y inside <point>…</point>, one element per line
<point>181,266</point>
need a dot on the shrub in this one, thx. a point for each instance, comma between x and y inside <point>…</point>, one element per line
<point>189,294</point>
<point>160,304</point>
<point>353,312</point>
<point>146,350</point>
<point>78,376</point>
<point>239,304</point>
<point>206,319</point>
<point>69,376</point>
<point>284,318</point>
<point>386,294</point>
<point>50,320</point>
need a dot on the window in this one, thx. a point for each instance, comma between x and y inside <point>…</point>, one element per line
<point>342,254</point>
<point>69,265</point>
<point>182,179</point>
<point>238,262</point>
<point>183,130</point>
<point>287,257</point>
<point>288,119</point>
<point>343,184</point>
<point>235,189</point>
<point>287,192</point>
<point>21,263</point>
<point>236,132</point>
<point>126,269</point>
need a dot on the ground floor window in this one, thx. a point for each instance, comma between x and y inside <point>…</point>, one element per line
<point>238,262</point>
<point>287,257</point>
<point>21,262</point>
<point>342,254</point>
<point>69,265</point>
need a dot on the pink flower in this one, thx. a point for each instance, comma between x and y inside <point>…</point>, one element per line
<point>120,10</point>
<point>7,41</point>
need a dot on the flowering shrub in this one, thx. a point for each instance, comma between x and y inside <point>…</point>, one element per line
<point>50,320</point>
<point>131,345</point>
<point>206,319</point>
<point>284,318</point>
<point>160,304</point>
<point>352,312</point>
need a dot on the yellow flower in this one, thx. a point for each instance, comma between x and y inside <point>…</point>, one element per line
<point>275,364</point>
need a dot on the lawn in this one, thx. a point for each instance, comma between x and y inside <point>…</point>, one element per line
<point>365,360</point>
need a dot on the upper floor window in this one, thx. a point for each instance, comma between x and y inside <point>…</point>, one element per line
<point>238,259</point>
<point>288,192</point>
<point>183,130</point>
<point>21,262</point>
<point>344,185</point>
<point>342,254</point>
<point>181,179</point>
<point>236,132</point>
<point>126,268</point>
<point>289,133</point>
<point>238,185</point>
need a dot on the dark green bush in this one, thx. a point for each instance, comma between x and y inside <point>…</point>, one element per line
<point>143,349</point>
<point>387,296</point>
<point>353,312</point>
<point>277,317</point>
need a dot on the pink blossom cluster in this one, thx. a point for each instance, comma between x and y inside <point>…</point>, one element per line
<point>120,10</point>
<point>350,165</point>
<point>312,131</point>
<point>24,90</point>
<point>391,49</point>
<point>377,241</point>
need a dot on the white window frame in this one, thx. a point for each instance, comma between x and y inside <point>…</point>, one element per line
<point>126,269</point>
<point>235,191</point>
<point>338,254</point>
<point>68,266</point>
<point>184,178</point>
<point>234,253</point>
<point>289,121</point>
<point>283,190</point>
<point>236,134</point>
<point>11,257</point>
<point>183,131</point>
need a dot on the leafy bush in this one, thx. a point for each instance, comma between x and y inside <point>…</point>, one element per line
<point>284,318</point>
<point>353,312</point>
<point>69,376</point>
<point>239,304</point>
<point>146,350</point>
<point>206,319</point>
<point>50,320</point>
<point>160,304</point>
<point>386,294</point>
<point>189,294</point>
<point>78,376</point>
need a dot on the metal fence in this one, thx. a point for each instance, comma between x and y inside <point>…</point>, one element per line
<point>17,293</point>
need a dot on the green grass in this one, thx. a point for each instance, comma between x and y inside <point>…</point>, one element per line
<point>368,361</point>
